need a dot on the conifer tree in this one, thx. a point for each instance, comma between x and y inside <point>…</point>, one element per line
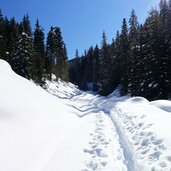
<point>2,37</point>
<point>124,57</point>
<point>23,49</point>
<point>39,55</point>
<point>133,65</point>
<point>50,53</point>
<point>88,69</point>
<point>95,68</point>
<point>165,22</point>
<point>152,56</point>
<point>22,55</point>
<point>104,70</point>
<point>61,65</point>
<point>11,34</point>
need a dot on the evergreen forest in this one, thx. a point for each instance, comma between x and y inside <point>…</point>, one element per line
<point>138,60</point>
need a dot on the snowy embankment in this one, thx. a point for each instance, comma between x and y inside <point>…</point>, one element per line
<point>144,127</point>
<point>33,123</point>
<point>79,131</point>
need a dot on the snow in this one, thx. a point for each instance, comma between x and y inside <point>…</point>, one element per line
<point>162,104</point>
<point>62,128</point>
<point>33,123</point>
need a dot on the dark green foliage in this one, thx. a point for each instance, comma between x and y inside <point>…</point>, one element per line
<point>38,59</point>
<point>2,38</point>
<point>56,55</point>
<point>124,57</point>
<point>104,68</point>
<point>61,65</point>
<point>22,56</point>
<point>134,47</point>
<point>95,72</point>
<point>28,55</point>
<point>23,49</point>
<point>138,60</point>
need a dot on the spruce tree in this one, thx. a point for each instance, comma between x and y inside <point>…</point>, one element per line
<point>23,49</point>
<point>60,65</point>
<point>133,64</point>
<point>104,70</point>
<point>165,22</point>
<point>11,33</point>
<point>22,55</point>
<point>2,37</point>
<point>50,53</point>
<point>124,57</point>
<point>88,69</point>
<point>39,55</point>
<point>151,88</point>
<point>95,68</point>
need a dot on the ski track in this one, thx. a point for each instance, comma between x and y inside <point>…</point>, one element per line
<point>109,147</point>
<point>101,145</point>
<point>103,151</point>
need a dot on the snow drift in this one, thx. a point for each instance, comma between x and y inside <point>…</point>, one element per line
<point>33,123</point>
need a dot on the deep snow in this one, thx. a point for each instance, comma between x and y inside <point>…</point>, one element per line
<point>66,129</point>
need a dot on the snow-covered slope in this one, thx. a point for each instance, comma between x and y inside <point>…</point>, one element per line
<point>33,123</point>
<point>61,89</point>
<point>144,130</point>
<point>66,129</point>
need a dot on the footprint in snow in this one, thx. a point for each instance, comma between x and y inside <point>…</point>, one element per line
<point>100,152</point>
<point>88,151</point>
<point>92,165</point>
<point>168,158</point>
<point>103,164</point>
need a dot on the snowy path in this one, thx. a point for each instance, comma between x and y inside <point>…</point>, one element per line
<point>115,139</point>
<point>108,148</point>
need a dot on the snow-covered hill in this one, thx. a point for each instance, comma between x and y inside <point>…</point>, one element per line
<point>33,123</point>
<point>66,129</point>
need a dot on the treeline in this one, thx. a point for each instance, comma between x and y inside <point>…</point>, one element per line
<point>26,52</point>
<point>138,59</point>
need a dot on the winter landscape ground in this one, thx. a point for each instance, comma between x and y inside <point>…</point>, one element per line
<point>66,129</point>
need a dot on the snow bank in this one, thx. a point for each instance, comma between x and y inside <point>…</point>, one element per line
<point>162,104</point>
<point>33,123</point>
<point>147,129</point>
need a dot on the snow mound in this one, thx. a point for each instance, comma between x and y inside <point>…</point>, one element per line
<point>162,104</point>
<point>147,129</point>
<point>137,100</point>
<point>4,66</point>
<point>33,123</point>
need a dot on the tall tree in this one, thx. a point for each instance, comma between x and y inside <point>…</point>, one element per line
<point>39,54</point>
<point>133,65</point>
<point>2,37</point>
<point>61,65</point>
<point>22,55</point>
<point>95,67</point>
<point>11,34</point>
<point>23,51</point>
<point>124,57</point>
<point>50,53</point>
<point>104,70</point>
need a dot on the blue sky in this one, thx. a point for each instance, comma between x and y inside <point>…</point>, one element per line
<point>81,21</point>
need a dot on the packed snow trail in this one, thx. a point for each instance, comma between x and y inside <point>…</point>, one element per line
<point>129,158</point>
<point>129,155</point>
